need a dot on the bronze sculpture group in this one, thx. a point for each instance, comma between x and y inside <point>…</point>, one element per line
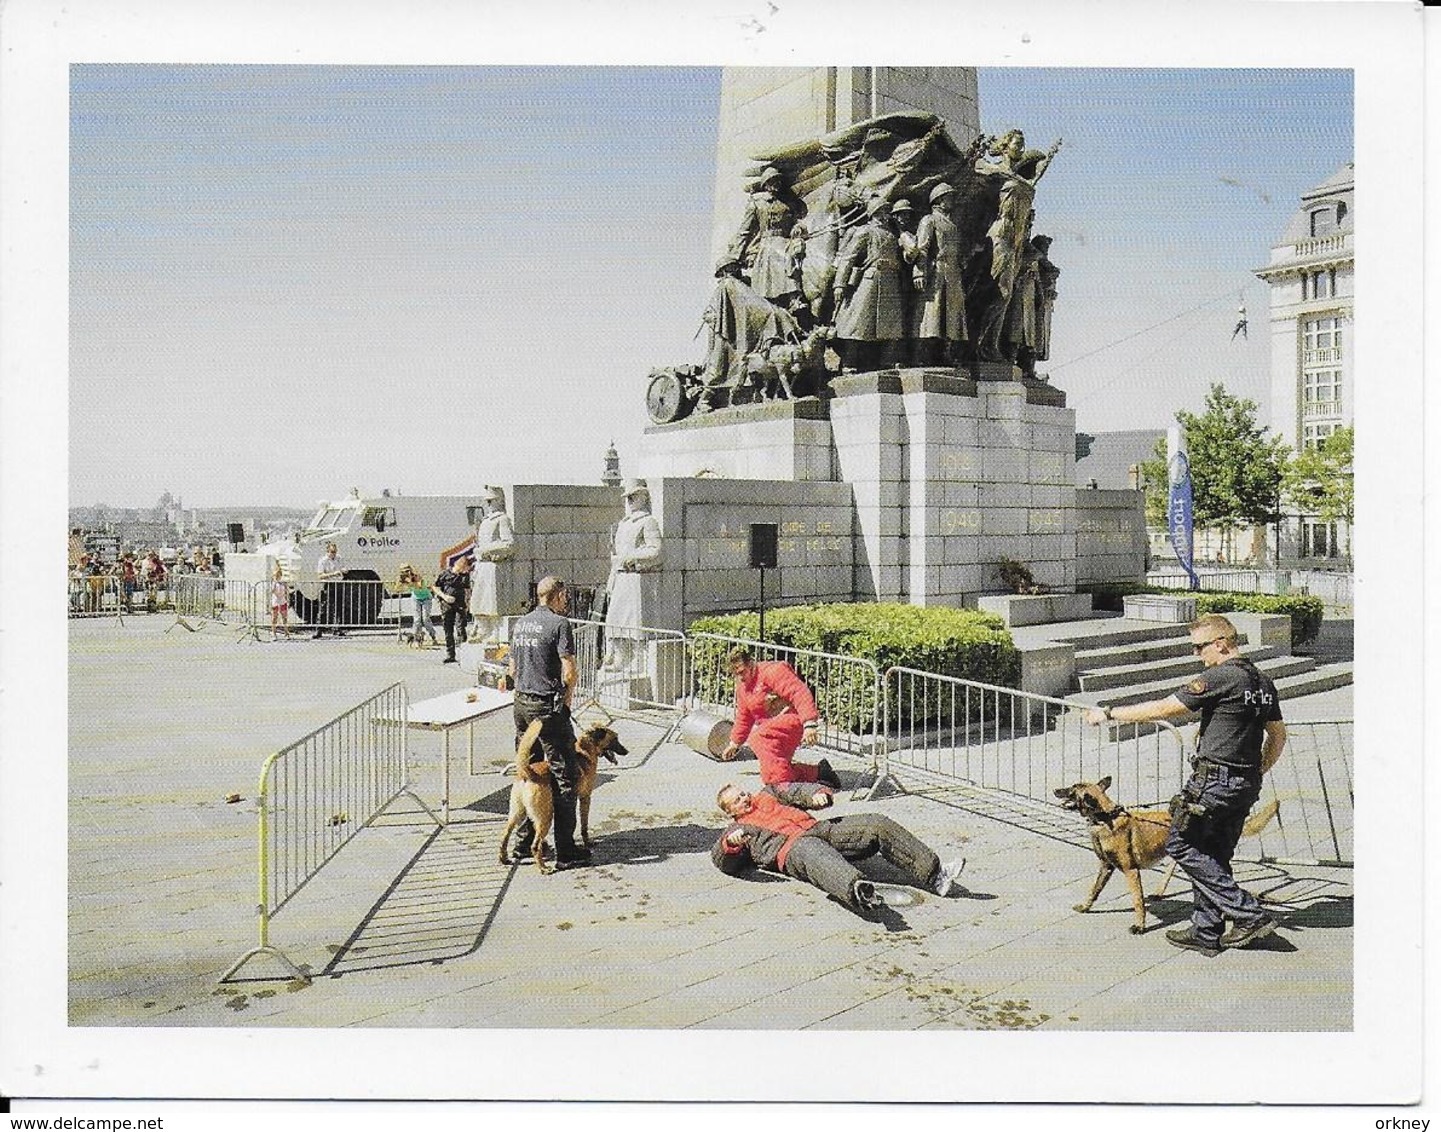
<point>831,271</point>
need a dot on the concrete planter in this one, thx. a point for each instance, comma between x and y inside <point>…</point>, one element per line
<point>1037,609</point>
<point>1156,607</point>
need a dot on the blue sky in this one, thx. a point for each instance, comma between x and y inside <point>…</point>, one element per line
<point>1170,188</point>
<point>287,281</point>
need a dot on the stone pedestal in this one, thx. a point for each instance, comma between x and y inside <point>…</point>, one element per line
<point>991,475</point>
<point>1039,391</point>
<point>906,485</point>
<point>868,425</point>
<point>778,440</point>
<point>1037,609</point>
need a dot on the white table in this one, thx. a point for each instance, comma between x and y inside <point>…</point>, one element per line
<point>455,709</point>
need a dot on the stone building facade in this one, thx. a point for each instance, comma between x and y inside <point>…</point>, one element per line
<point>1311,274</point>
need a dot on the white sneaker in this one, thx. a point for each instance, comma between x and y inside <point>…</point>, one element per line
<point>865,894</point>
<point>877,894</point>
<point>946,877</point>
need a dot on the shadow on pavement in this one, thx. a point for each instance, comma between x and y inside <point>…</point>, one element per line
<point>438,908</point>
<point>644,844</point>
<point>496,802</point>
<point>1275,942</point>
<point>1328,912</point>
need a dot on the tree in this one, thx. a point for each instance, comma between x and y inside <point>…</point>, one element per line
<point>1236,470</point>
<point>1318,481</point>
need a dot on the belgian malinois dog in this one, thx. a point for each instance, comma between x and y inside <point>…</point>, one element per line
<point>1131,840</point>
<point>530,796</point>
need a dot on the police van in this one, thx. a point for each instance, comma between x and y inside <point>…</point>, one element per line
<point>374,536</point>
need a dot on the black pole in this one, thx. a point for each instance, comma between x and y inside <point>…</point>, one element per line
<point>762,633</point>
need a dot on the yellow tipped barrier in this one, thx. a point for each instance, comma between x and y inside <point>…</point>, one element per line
<point>317,794</point>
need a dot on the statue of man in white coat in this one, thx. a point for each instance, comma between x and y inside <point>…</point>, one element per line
<point>633,587</point>
<point>492,591</point>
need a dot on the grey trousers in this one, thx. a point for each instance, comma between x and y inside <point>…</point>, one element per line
<point>822,855</point>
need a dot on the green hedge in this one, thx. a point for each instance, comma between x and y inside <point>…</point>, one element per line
<point>948,642</point>
<point>1304,610</point>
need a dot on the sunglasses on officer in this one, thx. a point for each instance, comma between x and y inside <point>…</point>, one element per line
<point>1199,647</point>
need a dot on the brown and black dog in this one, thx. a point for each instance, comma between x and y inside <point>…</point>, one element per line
<point>1131,840</point>
<point>530,796</point>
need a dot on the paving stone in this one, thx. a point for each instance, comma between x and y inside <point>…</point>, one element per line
<point>407,929</point>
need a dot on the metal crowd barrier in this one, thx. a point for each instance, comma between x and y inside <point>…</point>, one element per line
<point>636,669</point>
<point>1221,581</point>
<point>847,689</point>
<point>95,595</point>
<point>1312,781</point>
<point>1021,743</point>
<point>342,605</point>
<point>317,794</point>
<point>159,596</point>
<point>204,597</point>
<point>1334,589</point>
<point>361,603</point>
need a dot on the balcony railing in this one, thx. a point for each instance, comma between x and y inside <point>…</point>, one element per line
<point>1313,409</point>
<point>1321,245</point>
<point>1325,356</point>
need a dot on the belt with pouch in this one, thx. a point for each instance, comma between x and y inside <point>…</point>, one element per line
<point>553,699</point>
<point>1205,768</point>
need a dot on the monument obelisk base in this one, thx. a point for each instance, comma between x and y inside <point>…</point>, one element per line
<point>947,475</point>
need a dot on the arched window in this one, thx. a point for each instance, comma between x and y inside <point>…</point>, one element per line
<point>1323,220</point>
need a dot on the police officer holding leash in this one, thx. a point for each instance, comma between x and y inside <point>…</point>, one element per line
<point>543,674</point>
<point>1241,738</point>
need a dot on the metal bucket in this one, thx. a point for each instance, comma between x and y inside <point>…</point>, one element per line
<point>706,732</point>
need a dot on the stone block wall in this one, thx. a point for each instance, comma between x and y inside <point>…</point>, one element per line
<point>562,529</point>
<point>990,477</point>
<point>706,524</point>
<point>1111,541</point>
<point>869,428</point>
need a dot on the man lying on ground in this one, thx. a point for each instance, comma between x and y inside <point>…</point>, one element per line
<point>767,833</point>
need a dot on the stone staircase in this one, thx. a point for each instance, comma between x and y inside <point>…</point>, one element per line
<point>1134,662</point>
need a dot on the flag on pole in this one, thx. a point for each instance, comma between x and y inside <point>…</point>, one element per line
<point>1180,521</point>
<point>1240,323</point>
<point>453,554</point>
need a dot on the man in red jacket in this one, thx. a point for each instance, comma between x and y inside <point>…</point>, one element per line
<point>767,833</point>
<point>775,715</point>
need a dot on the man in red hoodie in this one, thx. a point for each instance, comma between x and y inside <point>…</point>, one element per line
<point>775,715</point>
<point>767,833</point>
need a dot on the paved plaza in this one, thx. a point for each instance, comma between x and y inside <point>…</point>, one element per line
<point>412,926</point>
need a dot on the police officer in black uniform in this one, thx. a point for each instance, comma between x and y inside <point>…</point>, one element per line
<point>1241,738</point>
<point>543,674</point>
<point>452,586</point>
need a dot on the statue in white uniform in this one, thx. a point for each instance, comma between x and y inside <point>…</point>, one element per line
<point>633,586</point>
<point>492,592</point>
